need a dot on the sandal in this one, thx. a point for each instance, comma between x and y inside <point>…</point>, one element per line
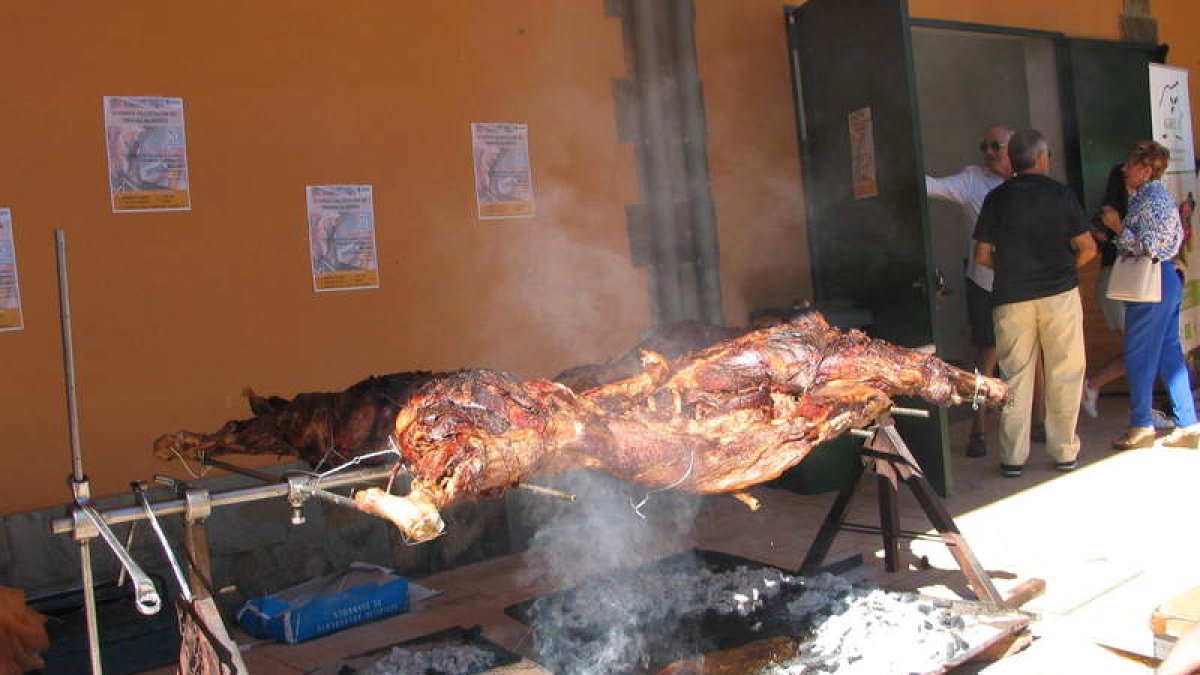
<point>1135,437</point>
<point>1184,437</point>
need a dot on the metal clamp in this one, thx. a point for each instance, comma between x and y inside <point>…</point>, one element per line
<point>139,490</point>
<point>977,397</point>
<point>89,522</point>
<point>299,490</point>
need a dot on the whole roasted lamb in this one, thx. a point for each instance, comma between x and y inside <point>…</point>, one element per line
<point>720,419</point>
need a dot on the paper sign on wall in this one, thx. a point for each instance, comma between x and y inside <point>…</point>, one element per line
<point>10,289</point>
<point>1171,115</point>
<point>147,154</point>
<point>503,180</point>
<point>862,154</point>
<point>341,237</point>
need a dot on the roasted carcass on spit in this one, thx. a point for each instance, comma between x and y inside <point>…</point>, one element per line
<point>721,419</point>
<point>325,427</point>
<point>320,428</point>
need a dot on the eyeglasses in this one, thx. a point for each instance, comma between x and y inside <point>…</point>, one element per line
<point>994,146</point>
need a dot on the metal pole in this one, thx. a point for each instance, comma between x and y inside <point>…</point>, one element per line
<point>64,305</point>
<point>79,486</point>
<point>89,605</point>
<point>129,514</point>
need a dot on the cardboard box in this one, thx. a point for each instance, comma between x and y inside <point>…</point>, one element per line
<point>359,594</point>
<point>1173,618</point>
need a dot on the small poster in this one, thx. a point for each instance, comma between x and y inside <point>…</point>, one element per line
<point>10,289</point>
<point>1171,115</point>
<point>1171,120</point>
<point>341,237</point>
<point>147,154</point>
<point>862,154</point>
<point>503,180</point>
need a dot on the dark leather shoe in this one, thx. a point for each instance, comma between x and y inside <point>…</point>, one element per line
<point>1011,470</point>
<point>977,446</point>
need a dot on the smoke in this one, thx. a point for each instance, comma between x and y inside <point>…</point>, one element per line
<point>613,524</point>
<point>568,283</point>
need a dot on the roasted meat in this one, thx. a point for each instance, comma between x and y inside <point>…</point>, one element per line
<point>721,419</point>
<point>317,427</point>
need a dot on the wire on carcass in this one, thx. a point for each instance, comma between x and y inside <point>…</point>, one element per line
<point>637,508</point>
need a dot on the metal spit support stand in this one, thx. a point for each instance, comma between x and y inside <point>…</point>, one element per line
<point>86,520</point>
<point>888,456</point>
<point>196,505</point>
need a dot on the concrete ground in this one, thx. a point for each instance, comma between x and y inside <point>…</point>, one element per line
<point>1112,540</point>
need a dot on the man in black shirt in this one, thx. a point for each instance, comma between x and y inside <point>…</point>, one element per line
<point>1033,233</point>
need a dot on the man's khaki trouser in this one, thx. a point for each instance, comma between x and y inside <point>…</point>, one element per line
<point>1056,324</point>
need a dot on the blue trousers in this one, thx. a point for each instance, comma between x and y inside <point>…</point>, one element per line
<point>1152,348</point>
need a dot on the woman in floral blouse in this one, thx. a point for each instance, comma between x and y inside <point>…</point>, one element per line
<point>1152,227</point>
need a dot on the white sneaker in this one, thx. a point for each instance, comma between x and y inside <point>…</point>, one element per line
<point>1091,396</point>
<point>1161,420</point>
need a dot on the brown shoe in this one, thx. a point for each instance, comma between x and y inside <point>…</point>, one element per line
<point>1135,437</point>
<point>1188,437</point>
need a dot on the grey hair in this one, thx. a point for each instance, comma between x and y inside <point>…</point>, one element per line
<point>1024,148</point>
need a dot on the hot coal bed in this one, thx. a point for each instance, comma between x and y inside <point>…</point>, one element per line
<point>664,617</point>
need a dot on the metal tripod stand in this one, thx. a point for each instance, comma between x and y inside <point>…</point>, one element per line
<point>888,456</point>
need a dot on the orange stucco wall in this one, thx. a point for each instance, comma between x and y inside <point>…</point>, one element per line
<point>753,155</point>
<point>174,313</point>
<point>1178,24</point>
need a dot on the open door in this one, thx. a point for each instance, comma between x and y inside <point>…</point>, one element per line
<point>1101,124</point>
<point>864,189</point>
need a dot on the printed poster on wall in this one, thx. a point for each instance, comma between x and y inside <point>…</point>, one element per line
<point>341,237</point>
<point>862,154</point>
<point>1171,117</point>
<point>503,180</point>
<point>147,154</point>
<point>10,289</point>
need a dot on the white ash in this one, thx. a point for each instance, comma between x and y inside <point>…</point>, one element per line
<point>869,631</point>
<point>444,660</point>
<point>621,624</point>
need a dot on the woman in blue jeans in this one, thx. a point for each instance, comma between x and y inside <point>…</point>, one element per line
<point>1152,227</point>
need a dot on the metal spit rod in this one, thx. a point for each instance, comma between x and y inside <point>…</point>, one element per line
<point>130,514</point>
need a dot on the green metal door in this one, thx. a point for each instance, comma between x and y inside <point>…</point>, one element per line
<point>868,231</point>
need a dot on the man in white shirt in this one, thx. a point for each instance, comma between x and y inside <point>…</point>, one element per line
<point>967,188</point>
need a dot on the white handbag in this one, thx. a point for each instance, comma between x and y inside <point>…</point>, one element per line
<point>1135,278</point>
